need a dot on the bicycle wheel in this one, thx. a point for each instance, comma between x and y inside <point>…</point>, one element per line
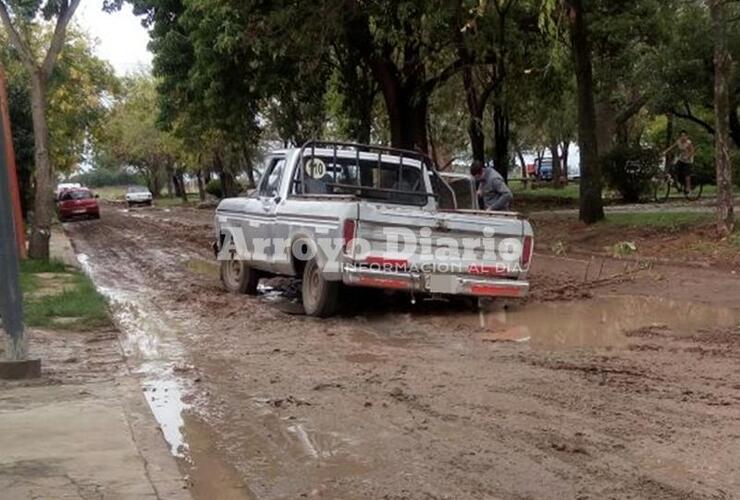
<point>695,193</point>
<point>662,190</point>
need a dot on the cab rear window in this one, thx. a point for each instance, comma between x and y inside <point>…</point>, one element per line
<point>76,195</point>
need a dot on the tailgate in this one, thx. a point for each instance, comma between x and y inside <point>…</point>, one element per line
<point>438,243</point>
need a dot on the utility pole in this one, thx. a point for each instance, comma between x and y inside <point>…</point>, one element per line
<point>11,300</point>
<point>20,231</point>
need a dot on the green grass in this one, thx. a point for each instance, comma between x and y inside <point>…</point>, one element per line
<point>660,220</point>
<point>176,201</point>
<point>73,299</point>
<point>568,192</point>
<point>117,193</point>
<point>111,193</point>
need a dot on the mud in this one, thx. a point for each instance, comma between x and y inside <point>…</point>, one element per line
<point>621,383</point>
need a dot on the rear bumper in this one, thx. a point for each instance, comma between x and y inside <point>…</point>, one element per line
<point>79,212</point>
<point>453,285</point>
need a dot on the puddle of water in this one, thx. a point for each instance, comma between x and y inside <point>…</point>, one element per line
<point>165,399</point>
<point>149,343</point>
<point>210,476</point>
<point>600,322</point>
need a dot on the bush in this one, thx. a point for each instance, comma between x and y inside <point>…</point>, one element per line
<point>629,170</point>
<point>214,188</point>
<point>704,169</point>
<point>99,177</point>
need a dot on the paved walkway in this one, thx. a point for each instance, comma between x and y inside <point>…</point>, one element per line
<point>84,430</point>
<point>699,207</point>
<point>81,441</point>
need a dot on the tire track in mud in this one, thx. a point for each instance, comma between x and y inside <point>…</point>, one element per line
<point>412,403</point>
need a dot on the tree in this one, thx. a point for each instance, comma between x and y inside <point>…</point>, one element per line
<point>132,137</point>
<point>591,204</point>
<point>76,96</point>
<point>723,68</point>
<point>17,17</point>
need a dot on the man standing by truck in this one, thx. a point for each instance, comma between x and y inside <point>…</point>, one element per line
<point>492,189</point>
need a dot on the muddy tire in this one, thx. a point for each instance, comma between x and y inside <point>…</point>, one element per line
<point>320,297</point>
<point>238,277</point>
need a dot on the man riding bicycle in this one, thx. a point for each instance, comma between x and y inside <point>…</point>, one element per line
<point>684,164</point>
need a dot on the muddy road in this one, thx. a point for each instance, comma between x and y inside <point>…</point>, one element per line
<point>625,387</point>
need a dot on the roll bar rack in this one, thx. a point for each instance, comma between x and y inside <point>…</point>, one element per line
<point>337,146</point>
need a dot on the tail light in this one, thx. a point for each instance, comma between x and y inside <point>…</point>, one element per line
<point>527,248</point>
<point>348,233</point>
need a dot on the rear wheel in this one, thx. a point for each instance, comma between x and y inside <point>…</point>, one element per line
<point>695,193</point>
<point>238,277</point>
<point>662,190</point>
<point>320,297</point>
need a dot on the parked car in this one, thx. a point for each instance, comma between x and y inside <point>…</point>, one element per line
<point>328,213</point>
<point>78,203</point>
<point>138,195</point>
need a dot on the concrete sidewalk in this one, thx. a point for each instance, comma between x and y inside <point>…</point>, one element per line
<point>84,430</point>
<point>82,441</point>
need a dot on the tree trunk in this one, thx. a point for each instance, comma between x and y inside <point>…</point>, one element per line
<point>177,185</point>
<point>735,122</point>
<point>522,162</point>
<point>501,133</point>
<point>723,68</point>
<point>228,185</point>
<point>38,247</point>
<point>409,129</point>
<point>475,111</point>
<point>566,153</point>
<point>557,172</point>
<point>591,203</point>
<point>407,110</point>
<point>170,190</point>
<point>606,125</point>
<point>180,176</point>
<point>249,167</point>
<point>477,137</point>
<point>201,188</point>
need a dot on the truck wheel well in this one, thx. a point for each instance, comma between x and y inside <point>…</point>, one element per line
<point>303,243</point>
<point>298,266</point>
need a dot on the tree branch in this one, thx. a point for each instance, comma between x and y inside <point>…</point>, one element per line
<point>688,115</point>
<point>445,75</point>
<point>66,12</point>
<point>488,90</point>
<point>15,37</point>
<point>634,107</point>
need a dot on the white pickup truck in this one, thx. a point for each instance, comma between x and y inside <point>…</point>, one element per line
<point>340,214</point>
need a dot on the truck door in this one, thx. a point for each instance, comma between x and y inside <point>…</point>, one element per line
<point>269,197</point>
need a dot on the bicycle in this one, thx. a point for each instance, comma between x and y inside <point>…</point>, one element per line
<point>668,178</point>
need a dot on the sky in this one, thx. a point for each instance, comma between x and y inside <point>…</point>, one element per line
<point>121,38</point>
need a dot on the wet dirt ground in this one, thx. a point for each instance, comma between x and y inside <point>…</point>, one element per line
<point>615,380</point>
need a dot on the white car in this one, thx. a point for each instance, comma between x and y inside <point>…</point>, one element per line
<point>138,195</point>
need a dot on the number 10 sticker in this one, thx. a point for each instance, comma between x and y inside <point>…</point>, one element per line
<point>315,168</point>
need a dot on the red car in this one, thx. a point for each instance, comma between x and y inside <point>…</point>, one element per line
<point>78,203</point>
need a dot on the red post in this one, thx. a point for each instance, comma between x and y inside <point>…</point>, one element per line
<point>20,231</point>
